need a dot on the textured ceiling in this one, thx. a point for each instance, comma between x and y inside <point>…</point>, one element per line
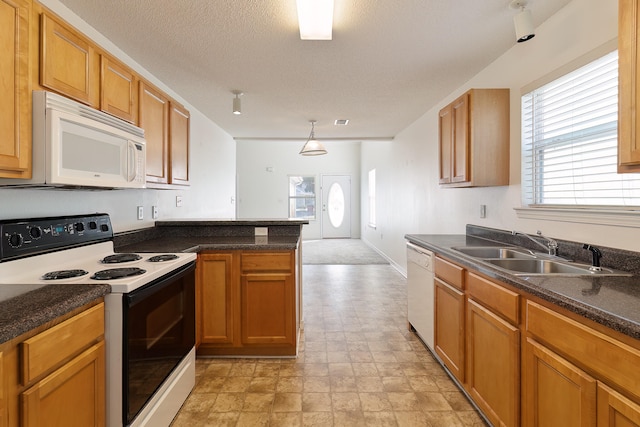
<point>388,63</point>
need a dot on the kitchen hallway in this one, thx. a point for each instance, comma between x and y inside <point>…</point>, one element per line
<point>358,365</point>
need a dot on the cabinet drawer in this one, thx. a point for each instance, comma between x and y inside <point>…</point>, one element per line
<point>607,358</point>
<point>449,272</point>
<point>266,261</point>
<point>501,300</point>
<point>53,346</point>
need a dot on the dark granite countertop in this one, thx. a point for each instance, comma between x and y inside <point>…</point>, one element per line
<point>25,307</point>
<point>611,301</point>
<point>210,243</point>
<point>235,222</point>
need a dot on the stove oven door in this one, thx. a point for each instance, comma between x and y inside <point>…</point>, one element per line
<point>159,331</point>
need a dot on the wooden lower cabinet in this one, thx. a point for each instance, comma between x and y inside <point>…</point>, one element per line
<point>557,393</point>
<point>449,327</point>
<point>3,403</point>
<point>526,362</point>
<point>72,396</point>
<point>615,410</point>
<point>55,375</point>
<point>493,365</point>
<point>246,303</point>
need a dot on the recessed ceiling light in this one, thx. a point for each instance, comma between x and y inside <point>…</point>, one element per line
<point>341,122</point>
<point>315,18</point>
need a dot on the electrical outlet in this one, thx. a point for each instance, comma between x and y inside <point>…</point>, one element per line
<point>261,231</point>
<point>140,212</point>
<point>154,212</point>
<point>483,211</point>
<point>178,201</point>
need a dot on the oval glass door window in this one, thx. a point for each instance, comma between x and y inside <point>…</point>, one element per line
<point>335,205</point>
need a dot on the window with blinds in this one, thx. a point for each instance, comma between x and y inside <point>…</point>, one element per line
<point>569,141</point>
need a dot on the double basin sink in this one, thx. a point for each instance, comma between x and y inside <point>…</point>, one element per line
<point>522,262</point>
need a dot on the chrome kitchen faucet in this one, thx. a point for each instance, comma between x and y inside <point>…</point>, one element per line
<point>551,245</point>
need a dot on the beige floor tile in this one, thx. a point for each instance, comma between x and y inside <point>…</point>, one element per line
<point>357,365</point>
<point>287,402</point>
<point>316,402</point>
<point>317,419</point>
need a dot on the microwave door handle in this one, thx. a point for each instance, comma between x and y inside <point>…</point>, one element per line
<point>132,164</point>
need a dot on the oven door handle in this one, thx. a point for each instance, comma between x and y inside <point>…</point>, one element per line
<point>157,285</point>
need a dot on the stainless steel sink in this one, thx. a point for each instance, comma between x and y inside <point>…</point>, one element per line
<point>528,267</point>
<point>494,252</point>
<point>522,262</point>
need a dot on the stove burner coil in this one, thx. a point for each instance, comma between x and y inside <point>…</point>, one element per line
<point>161,258</point>
<point>64,274</point>
<point>117,273</point>
<point>117,258</point>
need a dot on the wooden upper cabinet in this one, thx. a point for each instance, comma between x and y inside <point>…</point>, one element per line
<point>118,89</point>
<point>179,142</point>
<point>474,139</point>
<point>628,93</point>
<point>69,64</point>
<point>15,90</point>
<point>153,117</point>
<point>445,127</point>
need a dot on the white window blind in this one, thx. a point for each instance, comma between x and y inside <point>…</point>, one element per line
<point>569,141</point>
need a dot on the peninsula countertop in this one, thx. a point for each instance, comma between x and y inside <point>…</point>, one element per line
<point>195,235</point>
<point>610,301</point>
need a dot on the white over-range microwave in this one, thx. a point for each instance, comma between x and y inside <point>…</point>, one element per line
<point>75,145</point>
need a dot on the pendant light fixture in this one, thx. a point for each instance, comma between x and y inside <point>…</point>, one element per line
<point>312,147</point>
<point>237,107</point>
<point>523,21</point>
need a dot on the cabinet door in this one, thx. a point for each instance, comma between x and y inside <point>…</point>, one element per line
<point>493,365</point>
<point>154,119</point>
<point>449,327</point>
<point>179,141</point>
<point>267,304</point>
<point>445,127</point>
<point>68,62</point>
<point>215,299</point>
<point>3,402</point>
<point>460,144</point>
<point>555,392</point>
<point>118,89</point>
<point>72,396</point>
<point>615,410</point>
<point>629,95</point>
<point>15,98</point>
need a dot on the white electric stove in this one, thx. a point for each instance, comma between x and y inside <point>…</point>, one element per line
<point>150,312</point>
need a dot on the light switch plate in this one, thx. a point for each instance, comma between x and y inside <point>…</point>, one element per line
<point>140,212</point>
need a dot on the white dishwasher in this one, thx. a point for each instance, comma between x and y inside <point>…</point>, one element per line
<point>420,292</point>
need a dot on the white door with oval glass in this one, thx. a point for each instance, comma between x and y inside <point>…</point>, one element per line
<point>336,206</point>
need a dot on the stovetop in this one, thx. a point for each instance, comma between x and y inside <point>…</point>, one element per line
<point>77,250</point>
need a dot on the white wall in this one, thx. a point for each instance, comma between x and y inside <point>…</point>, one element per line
<point>212,171</point>
<point>409,199</point>
<point>264,194</point>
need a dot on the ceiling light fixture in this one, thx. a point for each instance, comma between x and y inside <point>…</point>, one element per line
<point>312,147</point>
<point>236,102</point>
<point>315,19</point>
<point>523,21</point>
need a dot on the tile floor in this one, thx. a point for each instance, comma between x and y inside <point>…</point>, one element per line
<point>358,365</point>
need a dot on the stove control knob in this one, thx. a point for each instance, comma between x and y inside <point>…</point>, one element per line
<point>35,232</point>
<point>104,227</point>
<point>15,240</point>
<point>78,226</point>
<point>93,225</point>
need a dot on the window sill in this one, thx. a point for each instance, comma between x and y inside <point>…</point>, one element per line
<point>616,217</point>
